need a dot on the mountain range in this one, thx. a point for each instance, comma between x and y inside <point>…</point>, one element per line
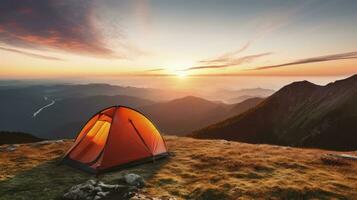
<point>59,111</point>
<point>299,114</point>
<point>237,96</point>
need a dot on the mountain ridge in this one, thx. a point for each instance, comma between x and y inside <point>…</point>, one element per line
<point>299,114</point>
<point>186,114</point>
<point>7,137</point>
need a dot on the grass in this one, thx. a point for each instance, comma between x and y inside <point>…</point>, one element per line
<point>198,169</point>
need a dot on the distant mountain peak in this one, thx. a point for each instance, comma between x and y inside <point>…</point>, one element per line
<point>303,83</point>
<point>190,98</point>
<point>301,87</point>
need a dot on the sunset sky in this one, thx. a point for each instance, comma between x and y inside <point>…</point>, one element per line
<point>51,38</point>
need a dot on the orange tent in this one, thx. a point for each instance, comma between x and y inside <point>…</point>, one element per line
<point>113,138</point>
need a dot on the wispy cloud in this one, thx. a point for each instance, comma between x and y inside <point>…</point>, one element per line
<point>341,56</point>
<point>155,70</point>
<point>231,62</point>
<point>29,54</point>
<point>227,56</point>
<point>64,25</point>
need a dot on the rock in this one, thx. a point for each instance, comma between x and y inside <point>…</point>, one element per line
<point>101,195</point>
<point>96,190</point>
<point>134,180</point>
<point>106,187</point>
<point>97,197</point>
<point>46,142</point>
<point>11,148</point>
<point>345,156</point>
<point>91,182</point>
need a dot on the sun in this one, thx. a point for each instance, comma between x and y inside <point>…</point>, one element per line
<point>181,74</point>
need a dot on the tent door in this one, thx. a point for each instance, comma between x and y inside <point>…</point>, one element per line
<point>141,138</point>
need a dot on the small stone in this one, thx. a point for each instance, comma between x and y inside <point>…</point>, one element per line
<point>97,190</point>
<point>97,197</point>
<point>11,148</point>
<point>103,194</point>
<point>134,180</point>
<point>91,182</point>
<point>104,186</point>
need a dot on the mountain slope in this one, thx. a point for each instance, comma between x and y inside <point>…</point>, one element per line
<point>184,115</point>
<point>245,105</point>
<point>17,138</point>
<point>60,117</point>
<point>299,114</point>
<point>197,169</point>
<point>66,117</point>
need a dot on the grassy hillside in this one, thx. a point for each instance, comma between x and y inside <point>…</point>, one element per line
<point>197,169</point>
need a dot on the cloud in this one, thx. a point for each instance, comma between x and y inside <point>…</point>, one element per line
<point>30,54</point>
<point>227,56</point>
<point>341,56</point>
<point>155,70</point>
<point>50,24</point>
<point>231,62</point>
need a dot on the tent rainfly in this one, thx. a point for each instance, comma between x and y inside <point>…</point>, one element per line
<point>116,137</point>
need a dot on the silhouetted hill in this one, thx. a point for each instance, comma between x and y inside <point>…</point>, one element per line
<point>7,137</point>
<point>66,117</point>
<point>65,107</point>
<point>299,114</point>
<point>245,105</point>
<point>186,114</point>
<point>61,91</point>
<point>93,89</point>
<point>237,96</point>
<point>62,119</point>
<point>59,111</point>
<point>241,98</point>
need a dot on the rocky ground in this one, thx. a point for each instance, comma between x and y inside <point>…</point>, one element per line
<point>197,169</point>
